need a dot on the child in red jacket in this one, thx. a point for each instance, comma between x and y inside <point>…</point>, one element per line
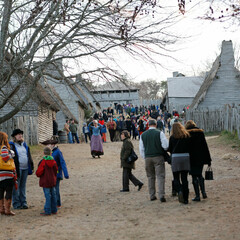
<point>47,172</point>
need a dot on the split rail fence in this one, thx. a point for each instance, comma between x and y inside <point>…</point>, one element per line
<point>226,118</point>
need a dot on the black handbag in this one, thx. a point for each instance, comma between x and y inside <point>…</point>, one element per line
<point>132,157</point>
<point>209,173</point>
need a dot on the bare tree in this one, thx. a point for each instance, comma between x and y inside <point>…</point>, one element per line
<point>46,31</point>
<point>149,89</point>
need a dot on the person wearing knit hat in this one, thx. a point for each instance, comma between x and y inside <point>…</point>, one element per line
<point>62,167</point>
<point>47,172</point>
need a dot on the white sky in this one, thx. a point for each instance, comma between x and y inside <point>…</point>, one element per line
<point>197,52</point>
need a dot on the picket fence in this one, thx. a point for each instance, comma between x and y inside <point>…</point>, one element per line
<point>225,118</point>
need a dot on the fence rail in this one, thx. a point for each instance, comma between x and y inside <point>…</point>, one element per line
<point>226,118</point>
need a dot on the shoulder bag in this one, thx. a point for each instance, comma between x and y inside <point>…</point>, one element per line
<point>132,157</point>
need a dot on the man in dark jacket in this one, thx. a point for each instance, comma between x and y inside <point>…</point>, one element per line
<point>24,167</point>
<point>151,146</point>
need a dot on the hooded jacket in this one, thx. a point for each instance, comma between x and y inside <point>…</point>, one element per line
<point>47,172</point>
<point>61,164</point>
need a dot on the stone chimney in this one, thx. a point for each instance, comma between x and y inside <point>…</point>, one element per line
<point>175,74</point>
<point>227,54</point>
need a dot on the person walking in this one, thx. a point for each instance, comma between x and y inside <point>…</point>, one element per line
<point>73,128</point>
<point>61,164</point>
<point>8,175</point>
<point>47,172</point>
<point>151,146</point>
<point>96,139</point>
<point>199,155</point>
<point>179,147</point>
<point>127,175</point>
<point>24,167</point>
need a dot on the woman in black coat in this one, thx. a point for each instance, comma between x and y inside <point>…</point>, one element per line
<point>199,155</point>
<point>179,145</point>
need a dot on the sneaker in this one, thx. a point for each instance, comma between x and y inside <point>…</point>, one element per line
<point>59,207</point>
<point>17,208</point>
<point>24,207</point>
<point>45,214</point>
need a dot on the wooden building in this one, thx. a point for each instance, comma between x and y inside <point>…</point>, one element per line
<point>72,97</point>
<point>116,92</point>
<point>181,91</point>
<point>222,84</point>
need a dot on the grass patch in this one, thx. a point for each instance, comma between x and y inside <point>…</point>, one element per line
<point>229,138</point>
<point>210,134</point>
<point>36,149</point>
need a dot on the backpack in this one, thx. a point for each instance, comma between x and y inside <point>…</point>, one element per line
<point>6,160</point>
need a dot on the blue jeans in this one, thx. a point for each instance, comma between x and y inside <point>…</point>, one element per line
<point>58,192</point>
<point>75,135</point>
<point>19,195</point>
<point>70,139</point>
<point>51,201</point>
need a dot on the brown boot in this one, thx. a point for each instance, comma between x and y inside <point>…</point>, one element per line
<point>8,207</point>
<point>2,208</point>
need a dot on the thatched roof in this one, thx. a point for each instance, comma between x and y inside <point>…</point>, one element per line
<point>59,102</point>
<point>39,95</point>
<point>206,84</point>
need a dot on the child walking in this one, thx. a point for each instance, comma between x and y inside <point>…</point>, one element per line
<point>47,172</point>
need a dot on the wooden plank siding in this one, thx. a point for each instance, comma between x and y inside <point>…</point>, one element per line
<point>45,124</point>
<point>225,118</point>
<point>36,128</point>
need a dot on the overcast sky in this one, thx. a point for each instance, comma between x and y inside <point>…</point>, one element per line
<point>195,54</point>
<point>198,51</point>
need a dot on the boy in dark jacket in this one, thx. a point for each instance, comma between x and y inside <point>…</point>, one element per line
<point>47,172</point>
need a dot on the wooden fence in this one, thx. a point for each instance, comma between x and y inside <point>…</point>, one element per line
<point>226,118</point>
<point>28,124</point>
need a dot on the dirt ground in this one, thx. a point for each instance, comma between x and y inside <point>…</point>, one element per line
<point>93,208</point>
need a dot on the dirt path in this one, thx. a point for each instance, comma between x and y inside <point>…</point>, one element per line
<point>93,208</point>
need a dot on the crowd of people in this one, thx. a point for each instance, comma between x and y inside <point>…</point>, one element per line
<point>187,146</point>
